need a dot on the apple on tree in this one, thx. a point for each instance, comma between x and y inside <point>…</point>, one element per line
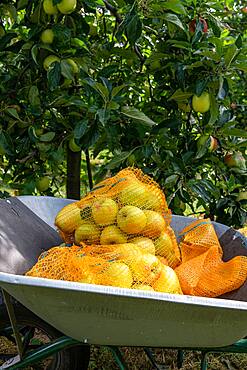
<point>49,8</point>
<point>201,103</point>
<point>47,36</point>
<point>235,160</point>
<point>43,183</point>
<point>49,60</point>
<point>67,6</point>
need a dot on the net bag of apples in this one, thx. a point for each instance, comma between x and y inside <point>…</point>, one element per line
<point>120,236</point>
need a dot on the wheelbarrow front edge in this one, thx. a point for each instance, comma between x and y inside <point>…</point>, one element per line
<point>104,315</point>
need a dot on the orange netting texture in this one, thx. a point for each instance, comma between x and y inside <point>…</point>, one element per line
<point>202,271</point>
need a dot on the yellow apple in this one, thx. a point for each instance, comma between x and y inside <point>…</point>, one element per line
<point>49,61</point>
<point>146,245</point>
<point>88,233</point>
<point>201,103</point>
<point>131,219</point>
<point>155,224</point>
<point>75,68</point>
<point>104,211</point>
<point>126,252</point>
<point>166,246</point>
<point>143,287</point>
<point>49,8</point>
<point>140,195</point>
<point>112,235</point>
<point>66,6</point>
<point>117,274</point>
<point>68,218</point>
<point>47,36</point>
<point>146,268</point>
<point>167,282</point>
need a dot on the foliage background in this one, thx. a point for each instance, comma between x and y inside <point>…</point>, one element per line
<point>130,103</point>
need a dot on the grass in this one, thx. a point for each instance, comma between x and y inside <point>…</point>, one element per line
<point>102,359</point>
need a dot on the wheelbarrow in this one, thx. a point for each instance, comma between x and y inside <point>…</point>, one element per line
<point>77,315</point>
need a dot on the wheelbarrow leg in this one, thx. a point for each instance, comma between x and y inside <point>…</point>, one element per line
<point>118,356</point>
<point>13,321</point>
<point>204,362</point>
<point>180,358</point>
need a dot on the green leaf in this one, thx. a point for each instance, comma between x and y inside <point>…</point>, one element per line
<point>215,24</point>
<point>214,110</point>
<point>173,18</point>
<point>180,95</point>
<point>234,132</point>
<point>171,180</point>
<point>54,75</point>
<point>34,53</point>
<point>80,128</point>
<point>116,90</point>
<point>13,112</point>
<point>133,28</point>
<point>117,160</point>
<point>239,42</point>
<point>33,96</point>
<point>231,52</point>
<point>137,115</point>
<point>100,88</point>
<point>175,6</point>
<point>67,70</point>
<point>48,136</point>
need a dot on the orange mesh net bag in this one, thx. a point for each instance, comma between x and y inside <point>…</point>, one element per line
<point>120,265</point>
<point>202,271</point>
<point>127,208</point>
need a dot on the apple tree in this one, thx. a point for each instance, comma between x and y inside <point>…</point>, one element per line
<point>90,87</point>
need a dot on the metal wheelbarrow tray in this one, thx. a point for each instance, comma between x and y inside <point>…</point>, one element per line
<point>104,315</point>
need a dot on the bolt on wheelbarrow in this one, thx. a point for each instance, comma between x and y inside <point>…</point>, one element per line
<point>72,316</point>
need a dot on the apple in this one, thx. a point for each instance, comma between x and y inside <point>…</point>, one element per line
<point>68,218</point>
<point>66,6</point>
<point>140,195</point>
<point>155,65</point>
<point>47,36</point>
<point>155,224</point>
<point>166,246</point>
<point>112,235</point>
<point>93,30</point>
<point>88,266</point>
<point>235,160</point>
<point>146,245</point>
<point>201,103</point>
<point>49,8</point>
<point>163,260</point>
<point>43,183</point>
<point>242,195</point>
<point>127,252</point>
<point>131,219</point>
<point>167,282</point>
<point>210,141</point>
<point>87,233</point>
<point>49,61</point>
<point>117,274</point>
<point>143,287</point>
<point>192,25</point>
<point>146,268</point>
<point>244,10</point>
<point>73,146</point>
<point>104,211</point>
<point>74,65</point>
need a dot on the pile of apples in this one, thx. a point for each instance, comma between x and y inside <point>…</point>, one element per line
<point>140,248</point>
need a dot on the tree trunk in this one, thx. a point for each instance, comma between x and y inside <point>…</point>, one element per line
<point>73,174</point>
